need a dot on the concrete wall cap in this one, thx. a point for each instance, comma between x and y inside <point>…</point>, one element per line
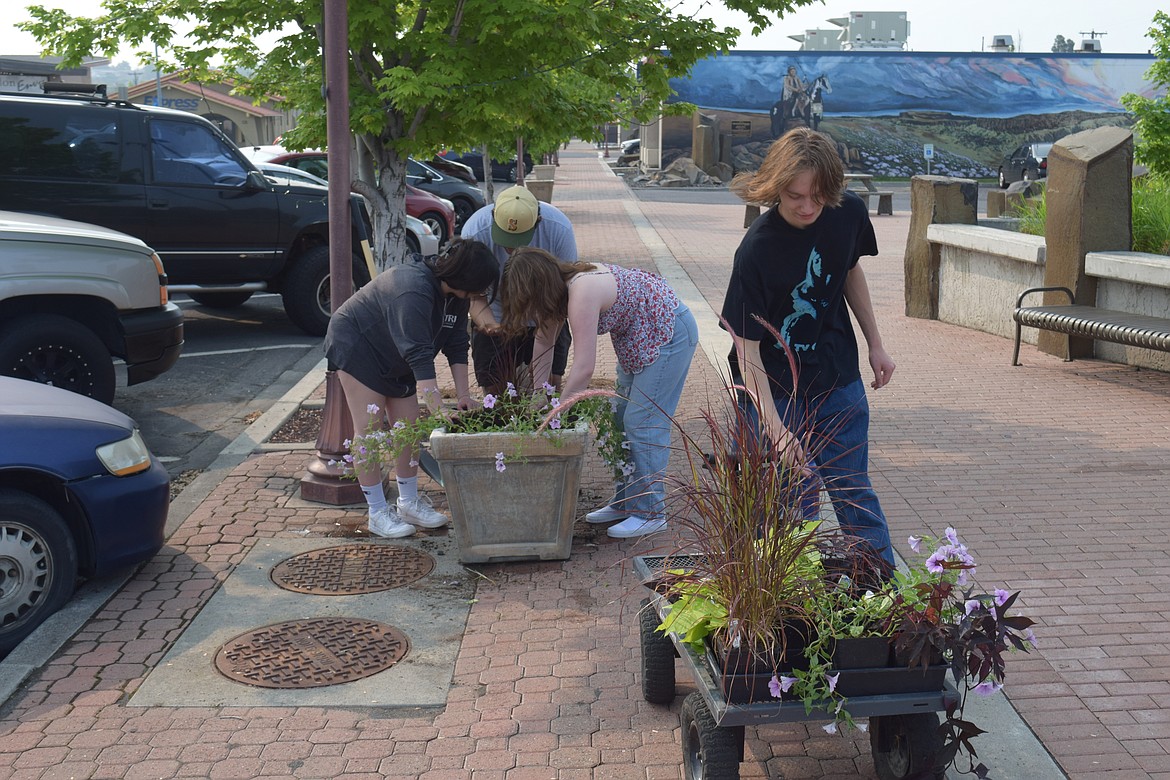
<point>993,241</point>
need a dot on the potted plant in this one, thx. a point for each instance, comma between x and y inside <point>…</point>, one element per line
<point>511,470</point>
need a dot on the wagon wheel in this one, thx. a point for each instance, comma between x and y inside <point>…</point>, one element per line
<point>709,752</point>
<point>657,658</point>
<point>904,746</point>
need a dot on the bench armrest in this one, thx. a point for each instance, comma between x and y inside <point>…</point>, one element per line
<point>1030,290</point>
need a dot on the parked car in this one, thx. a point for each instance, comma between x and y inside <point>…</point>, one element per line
<point>501,171</point>
<point>80,496</point>
<point>175,181</point>
<point>74,296</point>
<point>466,198</point>
<point>1027,162</point>
<point>452,168</point>
<point>420,238</point>
<point>436,211</point>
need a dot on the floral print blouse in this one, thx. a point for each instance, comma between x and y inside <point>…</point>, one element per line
<point>641,318</point>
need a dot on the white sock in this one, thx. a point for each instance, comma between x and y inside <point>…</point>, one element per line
<point>375,497</point>
<point>407,488</point>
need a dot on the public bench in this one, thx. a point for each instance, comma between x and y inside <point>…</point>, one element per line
<point>885,199</point>
<point>1135,330</point>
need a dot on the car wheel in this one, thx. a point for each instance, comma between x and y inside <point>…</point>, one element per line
<point>228,300</point>
<point>1026,175</point>
<point>58,351</point>
<point>512,172</point>
<point>412,244</point>
<point>1003,182</point>
<point>437,224</point>
<point>464,208</point>
<point>307,294</point>
<point>38,565</point>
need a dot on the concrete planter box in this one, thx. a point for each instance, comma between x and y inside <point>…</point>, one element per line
<point>525,512</point>
<point>544,172</point>
<point>541,188</point>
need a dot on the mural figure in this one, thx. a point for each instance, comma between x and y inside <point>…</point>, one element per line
<point>799,100</point>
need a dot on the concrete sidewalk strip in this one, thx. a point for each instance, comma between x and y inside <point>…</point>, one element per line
<point>432,613</point>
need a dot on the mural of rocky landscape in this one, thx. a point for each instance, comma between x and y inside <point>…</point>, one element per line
<point>883,107</point>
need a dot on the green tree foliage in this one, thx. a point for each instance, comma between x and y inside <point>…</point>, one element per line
<point>1153,113</point>
<point>423,75</point>
<point>1062,44</point>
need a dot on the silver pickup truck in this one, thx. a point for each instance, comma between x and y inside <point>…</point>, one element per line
<point>74,296</point>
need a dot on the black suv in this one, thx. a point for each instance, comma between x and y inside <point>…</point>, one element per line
<point>1027,162</point>
<point>175,181</point>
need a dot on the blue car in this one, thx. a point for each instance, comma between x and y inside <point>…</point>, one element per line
<point>81,496</point>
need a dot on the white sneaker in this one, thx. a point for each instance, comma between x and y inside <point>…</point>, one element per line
<point>420,512</point>
<point>635,526</point>
<point>607,514</point>
<point>387,524</point>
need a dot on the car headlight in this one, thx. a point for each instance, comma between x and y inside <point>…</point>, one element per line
<point>125,457</point>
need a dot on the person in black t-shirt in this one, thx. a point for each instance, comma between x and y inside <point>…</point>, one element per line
<point>797,268</point>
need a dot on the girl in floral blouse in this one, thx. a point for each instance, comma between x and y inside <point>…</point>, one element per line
<point>654,336</point>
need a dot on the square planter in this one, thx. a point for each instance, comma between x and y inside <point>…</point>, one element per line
<point>541,189</point>
<point>876,682</point>
<point>865,652</point>
<point>525,512</point>
<point>544,172</point>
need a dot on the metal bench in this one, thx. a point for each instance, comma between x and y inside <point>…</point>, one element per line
<point>1135,330</point>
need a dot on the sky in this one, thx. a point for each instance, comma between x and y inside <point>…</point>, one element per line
<point>935,25</point>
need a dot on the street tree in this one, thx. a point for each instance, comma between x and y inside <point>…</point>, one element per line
<point>1062,44</point>
<point>1153,113</point>
<point>423,75</point>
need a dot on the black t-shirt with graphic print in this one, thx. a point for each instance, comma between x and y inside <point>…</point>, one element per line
<point>795,280</point>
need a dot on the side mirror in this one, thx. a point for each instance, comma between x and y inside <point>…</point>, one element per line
<point>256,182</point>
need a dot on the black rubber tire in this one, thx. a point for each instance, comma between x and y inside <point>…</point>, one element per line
<point>904,746</point>
<point>709,752</point>
<point>658,674</point>
<point>306,294</point>
<point>512,173</point>
<point>223,300</point>
<point>412,243</point>
<point>438,225</point>
<point>1027,175</point>
<point>464,208</point>
<point>58,351</point>
<point>38,565</point>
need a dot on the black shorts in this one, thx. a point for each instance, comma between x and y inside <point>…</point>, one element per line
<point>495,358</point>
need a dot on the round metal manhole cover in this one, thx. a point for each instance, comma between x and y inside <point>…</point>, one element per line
<point>311,653</point>
<point>350,569</point>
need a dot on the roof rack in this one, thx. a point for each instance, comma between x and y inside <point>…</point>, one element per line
<point>55,87</point>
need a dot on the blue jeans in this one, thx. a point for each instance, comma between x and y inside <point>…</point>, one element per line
<point>841,416</point>
<point>646,402</point>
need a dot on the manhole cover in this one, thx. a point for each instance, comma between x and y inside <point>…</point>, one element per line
<point>349,569</point>
<point>311,653</point>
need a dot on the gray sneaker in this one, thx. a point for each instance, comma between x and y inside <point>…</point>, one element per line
<point>387,524</point>
<point>420,512</point>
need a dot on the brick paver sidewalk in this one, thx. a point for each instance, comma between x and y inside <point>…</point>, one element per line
<point>1053,473</point>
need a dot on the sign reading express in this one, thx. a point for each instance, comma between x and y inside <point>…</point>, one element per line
<point>182,104</point>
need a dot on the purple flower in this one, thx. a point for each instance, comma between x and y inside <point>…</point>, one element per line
<point>915,543</point>
<point>987,687</point>
<point>952,537</point>
<point>556,402</point>
<point>555,422</point>
<point>500,462</point>
<point>972,605</point>
<point>1030,636</point>
<point>781,685</point>
<point>548,389</point>
<point>832,678</point>
<point>372,409</point>
<point>511,390</point>
<point>830,728</point>
<point>1001,596</point>
<point>489,401</point>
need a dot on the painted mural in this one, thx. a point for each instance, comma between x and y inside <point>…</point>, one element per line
<point>883,107</point>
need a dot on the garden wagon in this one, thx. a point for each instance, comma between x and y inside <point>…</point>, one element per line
<point>903,727</point>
